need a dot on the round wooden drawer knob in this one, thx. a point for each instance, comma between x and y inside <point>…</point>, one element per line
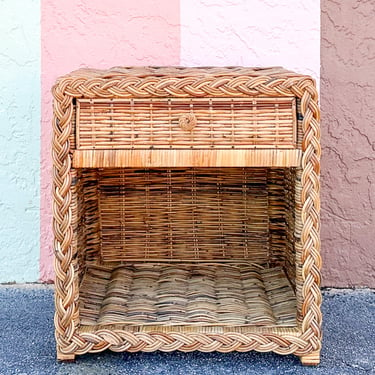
<point>187,122</point>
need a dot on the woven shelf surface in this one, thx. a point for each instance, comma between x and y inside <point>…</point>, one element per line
<point>187,294</point>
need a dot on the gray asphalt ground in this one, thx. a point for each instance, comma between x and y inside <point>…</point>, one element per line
<point>27,343</point>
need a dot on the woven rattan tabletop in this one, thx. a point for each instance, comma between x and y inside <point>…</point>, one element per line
<point>182,72</point>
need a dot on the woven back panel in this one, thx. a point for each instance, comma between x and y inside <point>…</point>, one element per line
<point>159,123</point>
<point>189,214</point>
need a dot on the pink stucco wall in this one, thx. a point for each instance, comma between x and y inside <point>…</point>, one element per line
<point>99,34</point>
<point>348,140</point>
<point>166,32</point>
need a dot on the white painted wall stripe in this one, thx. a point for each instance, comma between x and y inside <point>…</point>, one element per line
<point>19,140</point>
<point>251,33</point>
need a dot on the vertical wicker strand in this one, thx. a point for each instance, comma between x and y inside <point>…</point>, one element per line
<point>132,123</point>
<point>277,123</point>
<point>255,136</point>
<point>170,213</point>
<point>148,211</point>
<point>269,198</point>
<point>92,108</point>
<point>233,130</point>
<point>194,204</point>
<point>170,140</point>
<point>220,202</point>
<point>151,123</point>
<point>297,204</point>
<point>212,141</point>
<point>123,212</point>
<point>111,118</point>
<point>191,135</point>
<point>244,192</point>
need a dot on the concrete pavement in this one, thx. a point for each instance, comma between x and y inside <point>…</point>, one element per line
<point>27,343</point>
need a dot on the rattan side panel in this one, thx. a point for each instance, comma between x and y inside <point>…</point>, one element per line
<point>72,137</point>
<point>293,232</point>
<point>299,123</point>
<point>78,222</point>
<point>92,216</point>
<point>276,212</point>
<point>298,242</point>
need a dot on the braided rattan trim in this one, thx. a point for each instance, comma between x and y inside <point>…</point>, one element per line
<point>229,82</point>
<point>310,200</point>
<point>91,84</point>
<point>119,341</point>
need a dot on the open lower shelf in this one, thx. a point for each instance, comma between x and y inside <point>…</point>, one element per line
<point>205,294</point>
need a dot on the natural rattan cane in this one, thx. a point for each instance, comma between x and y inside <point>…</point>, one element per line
<point>187,294</point>
<point>186,211</point>
<point>181,123</point>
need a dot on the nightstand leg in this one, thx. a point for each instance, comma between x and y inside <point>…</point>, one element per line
<point>311,359</point>
<point>65,357</point>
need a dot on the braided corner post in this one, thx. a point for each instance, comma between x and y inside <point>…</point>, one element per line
<point>66,310</point>
<point>310,200</point>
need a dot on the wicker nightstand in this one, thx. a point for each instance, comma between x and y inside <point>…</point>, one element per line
<point>186,211</point>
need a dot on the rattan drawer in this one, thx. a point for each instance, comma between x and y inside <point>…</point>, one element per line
<point>190,123</point>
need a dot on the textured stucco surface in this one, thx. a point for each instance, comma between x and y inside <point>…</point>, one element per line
<point>19,140</point>
<point>252,33</point>
<point>26,321</point>
<point>103,34</point>
<point>348,138</point>
<point>99,34</point>
<point>190,32</point>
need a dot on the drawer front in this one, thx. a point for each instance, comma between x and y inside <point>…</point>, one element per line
<point>198,123</point>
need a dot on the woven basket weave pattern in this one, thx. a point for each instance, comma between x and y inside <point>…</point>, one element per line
<point>181,123</point>
<point>280,226</point>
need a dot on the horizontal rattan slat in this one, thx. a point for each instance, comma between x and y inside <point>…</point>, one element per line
<point>192,329</point>
<point>159,123</point>
<point>186,158</point>
<point>187,294</point>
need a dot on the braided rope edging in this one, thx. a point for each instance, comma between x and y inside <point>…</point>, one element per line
<point>119,341</point>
